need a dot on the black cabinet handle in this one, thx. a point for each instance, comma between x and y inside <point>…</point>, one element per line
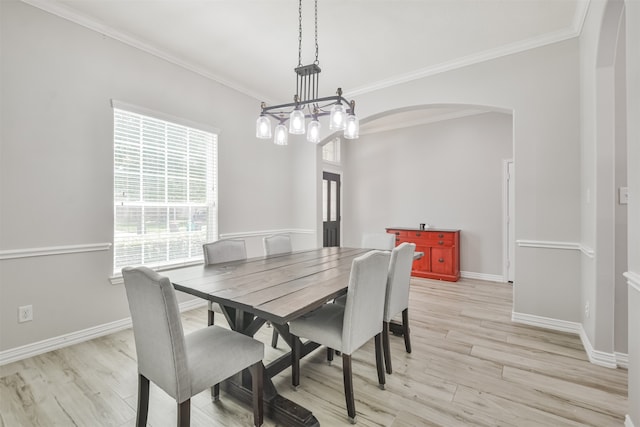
<point>418,234</point>
<point>441,235</point>
<point>440,242</point>
<point>441,260</point>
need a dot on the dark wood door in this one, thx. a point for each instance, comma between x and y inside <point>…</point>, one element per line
<point>330,209</point>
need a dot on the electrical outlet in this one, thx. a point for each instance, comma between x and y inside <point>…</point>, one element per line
<point>25,313</point>
<point>586,310</point>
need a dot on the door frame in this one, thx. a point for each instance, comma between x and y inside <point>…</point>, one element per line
<point>508,220</point>
<point>339,201</point>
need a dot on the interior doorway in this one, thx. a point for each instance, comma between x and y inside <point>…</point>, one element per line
<point>330,209</point>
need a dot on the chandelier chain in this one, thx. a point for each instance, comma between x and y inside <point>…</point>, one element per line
<point>316,24</point>
<point>299,33</point>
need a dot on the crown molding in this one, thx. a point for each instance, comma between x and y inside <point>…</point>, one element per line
<point>65,12</point>
<point>468,60</point>
<point>72,15</point>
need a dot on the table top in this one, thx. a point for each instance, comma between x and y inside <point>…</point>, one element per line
<point>277,288</point>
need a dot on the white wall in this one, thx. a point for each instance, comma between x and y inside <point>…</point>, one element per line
<point>447,174</point>
<point>56,180</point>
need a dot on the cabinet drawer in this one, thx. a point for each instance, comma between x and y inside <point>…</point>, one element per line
<point>440,235</point>
<point>417,235</point>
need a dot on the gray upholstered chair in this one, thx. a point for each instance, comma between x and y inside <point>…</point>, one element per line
<point>277,244</point>
<point>397,297</point>
<point>274,245</point>
<point>224,250</point>
<point>183,365</point>
<point>380,241</point>
<point>346,328</point>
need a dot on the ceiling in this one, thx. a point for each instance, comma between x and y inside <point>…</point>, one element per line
<point>252,45</point>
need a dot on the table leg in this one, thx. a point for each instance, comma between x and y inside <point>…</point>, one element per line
<point>395,328</point>
<point>276,407</point>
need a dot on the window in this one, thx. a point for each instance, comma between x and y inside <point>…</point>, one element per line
<point>165,190</point>
<point>331,151</point>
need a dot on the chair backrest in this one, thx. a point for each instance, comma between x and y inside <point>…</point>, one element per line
<point>380,241</point>
<point>157,330</point>
<point>224,250</point>
<point>277,244</point>
<point>398,279</point>
<point>365,299</point>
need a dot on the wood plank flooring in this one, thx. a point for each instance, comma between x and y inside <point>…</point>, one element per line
<point>470,366</point>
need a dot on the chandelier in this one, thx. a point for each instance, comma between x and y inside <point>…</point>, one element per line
<point>307,105</point>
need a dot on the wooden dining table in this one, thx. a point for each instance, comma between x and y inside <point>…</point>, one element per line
<point>277,289</point>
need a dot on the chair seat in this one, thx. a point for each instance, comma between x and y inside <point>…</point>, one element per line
<point>214,354</point>
<point>323,325</point>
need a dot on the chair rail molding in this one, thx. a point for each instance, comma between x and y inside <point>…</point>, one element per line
<point>633,280</point>
<point>53,250</point>
<point>260,233</point>
<point>546,244</point>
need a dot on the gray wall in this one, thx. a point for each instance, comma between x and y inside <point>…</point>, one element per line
<point>448,174</point>
<point>57,79</point>
<point>632,14</point>
<point>541,89</point>
<point>56,180</point>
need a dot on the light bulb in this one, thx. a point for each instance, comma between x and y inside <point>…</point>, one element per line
<point>296,122</point>
<point>313,132</point>
<point>352,128</point>
<point>337,117</point>
<point>281,135</point>
<point>263,128</point>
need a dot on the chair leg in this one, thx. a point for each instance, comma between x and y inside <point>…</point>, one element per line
<point>143,401</point>
<point>405,329</point>
<point>347,377</point>
<point>274,338</point>
<point>379,363</point>
<point>184,413</point>
<point>215,393</point>
<point>386,346</point>
<point>257,385</point>
<point>211,315</point>
<point>295,361</point>
<point>329,355</point>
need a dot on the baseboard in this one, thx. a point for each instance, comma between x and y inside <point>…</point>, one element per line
<point>55,343</point>
<point>547,323</point>
<point>622,360</point>
<point>608,360</point>
<point>482,276</point>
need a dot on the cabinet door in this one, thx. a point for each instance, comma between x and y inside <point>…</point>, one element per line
<point>423,264</point>
<point>442,260</point>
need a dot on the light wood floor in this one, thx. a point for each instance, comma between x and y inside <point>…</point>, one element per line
<point>470,366</point>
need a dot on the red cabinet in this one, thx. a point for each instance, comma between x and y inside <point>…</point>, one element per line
<point>441,250</point>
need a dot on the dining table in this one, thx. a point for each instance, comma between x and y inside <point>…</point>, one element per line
<point>275,289</point>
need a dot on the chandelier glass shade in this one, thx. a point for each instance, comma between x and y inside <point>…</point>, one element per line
<point>307,104</point>
<point>280,135</point>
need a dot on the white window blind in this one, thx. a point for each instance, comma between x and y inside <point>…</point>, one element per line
<point>165,191</point>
